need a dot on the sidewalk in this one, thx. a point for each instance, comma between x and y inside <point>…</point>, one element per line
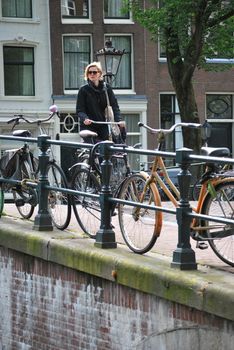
<point>165,244</point>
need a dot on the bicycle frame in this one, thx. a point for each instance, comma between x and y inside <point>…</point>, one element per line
<point>159,164</point>
<point>90,161</point>
<point>169,188</point>
<point>172,192</point>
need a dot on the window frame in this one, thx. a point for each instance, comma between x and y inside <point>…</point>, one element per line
<point>19,64</point>
<point>222,120</point>
<point>218,120</point>
<point>122,90</point>
<point>18,17</point>
<point>117,20</point>
<point>176,138</point>
<point>220,97</point>
<point>76,19</point>
<point>89,36</point>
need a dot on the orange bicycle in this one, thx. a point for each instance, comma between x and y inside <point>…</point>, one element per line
<point>141,226</point>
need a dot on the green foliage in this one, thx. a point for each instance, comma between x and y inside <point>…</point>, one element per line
<point>191,31</point>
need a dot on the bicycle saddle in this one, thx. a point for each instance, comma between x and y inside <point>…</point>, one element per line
<point>87,133</point>
<point>22,133</point>
<point>215,152</point>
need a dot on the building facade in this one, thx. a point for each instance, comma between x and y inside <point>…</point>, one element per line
<point>46,44</point>
<point>25,69</point>
<point>78,30</point>
<point>143,86</point>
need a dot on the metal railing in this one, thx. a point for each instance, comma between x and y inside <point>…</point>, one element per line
<point>183,256</point>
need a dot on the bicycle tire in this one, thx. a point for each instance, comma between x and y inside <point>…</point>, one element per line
<point>1,201</point>
<point>196,190</point>
<point>140,227</point>
<point>59,203</point>
<point>221,204</point>
<point>24,197</point>
<point>86,209</point>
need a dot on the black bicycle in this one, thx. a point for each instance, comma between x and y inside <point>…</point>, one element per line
<point>86,177</point>
<point>21,165</point>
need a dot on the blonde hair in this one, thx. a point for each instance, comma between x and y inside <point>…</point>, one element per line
<point>93,64</point>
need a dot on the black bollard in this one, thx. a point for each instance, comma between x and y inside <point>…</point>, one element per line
<point>43,221</point>
<point>105,237</point>
<point>184,255</point>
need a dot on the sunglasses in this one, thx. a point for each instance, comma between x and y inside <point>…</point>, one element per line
<point>93,72</point>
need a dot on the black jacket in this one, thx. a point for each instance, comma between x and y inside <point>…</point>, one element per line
<point>91,104</point>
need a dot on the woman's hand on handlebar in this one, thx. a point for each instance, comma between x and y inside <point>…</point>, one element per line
<point>122,124</point>
<point>87,121</point>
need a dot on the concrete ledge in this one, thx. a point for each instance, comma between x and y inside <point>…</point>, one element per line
<point>206,289</point>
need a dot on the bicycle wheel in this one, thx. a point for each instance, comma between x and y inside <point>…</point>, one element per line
<point>221,204</point>
<point>25,198</point>
<point>196,190</point>
<point>1,201</point>
<point>86,209</point>
<point>140,227</point>
<point>59,203</point>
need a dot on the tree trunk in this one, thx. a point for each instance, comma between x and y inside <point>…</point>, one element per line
<point>181,73</point>
<point>189,114</point>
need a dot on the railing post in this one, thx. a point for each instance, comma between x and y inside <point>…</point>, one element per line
<point>43,221</point>
<point>184,256</point>
<point>105,237</point>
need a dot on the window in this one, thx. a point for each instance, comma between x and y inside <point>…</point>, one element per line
<point>123,80</point>
<point>68,123</point>
<point>18,71</point>
<point>219,112</point>
<point>133,137</point>
<point>17,8</point>
<point>169,116</point>
<point>113,9</point>
<point>219,106</point>
<point>76,58</point>
<point>223,41</point>
<point>162,55</point>
<point>75,8</point>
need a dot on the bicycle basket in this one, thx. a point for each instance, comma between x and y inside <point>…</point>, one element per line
<point>8,163</point>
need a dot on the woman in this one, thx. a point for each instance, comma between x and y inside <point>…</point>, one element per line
<point>92,101</point>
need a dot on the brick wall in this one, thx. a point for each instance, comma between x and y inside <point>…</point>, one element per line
<point>45,306</point>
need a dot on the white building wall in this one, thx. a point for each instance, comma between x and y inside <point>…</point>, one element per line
<point>28,32</point>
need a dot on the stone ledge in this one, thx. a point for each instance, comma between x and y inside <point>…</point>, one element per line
<point>205,289</point>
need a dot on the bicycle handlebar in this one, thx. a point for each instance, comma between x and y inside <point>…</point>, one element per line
<point>107,123</point>
<point>168,131</point>
<point>53,110</point>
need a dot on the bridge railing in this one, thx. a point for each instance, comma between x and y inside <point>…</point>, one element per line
<point>183,256</point>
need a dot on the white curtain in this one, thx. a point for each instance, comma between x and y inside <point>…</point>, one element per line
<point>26,72</point>
<point>76,57</point>
<point>19,63</point>
<point>123,78</point>
<point>113,8</point>
<point>133,137</point>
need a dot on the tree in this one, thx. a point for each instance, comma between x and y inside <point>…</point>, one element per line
<point>191,31</point>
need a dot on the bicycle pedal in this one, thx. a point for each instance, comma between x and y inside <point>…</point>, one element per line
<point>19,202</point>
<point>32,201</point>
<point>202,245</point>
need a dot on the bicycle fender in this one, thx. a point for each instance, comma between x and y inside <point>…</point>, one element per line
<point>216,183</point>
<point>80,166</point>
<point>157,202</point>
